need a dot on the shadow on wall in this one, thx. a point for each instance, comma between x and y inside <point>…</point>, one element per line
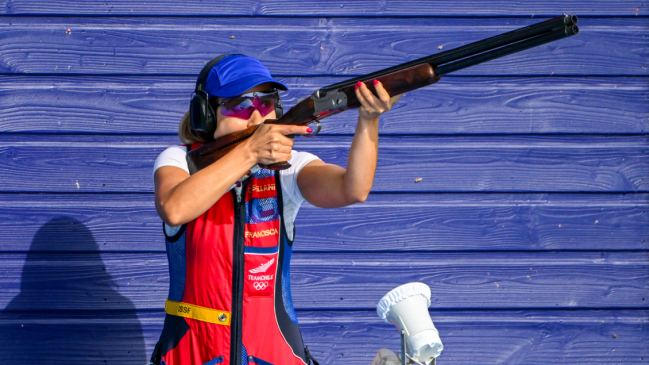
<point>60,315</point>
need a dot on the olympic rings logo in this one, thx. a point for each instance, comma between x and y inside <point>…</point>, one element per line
<point>260,285</point>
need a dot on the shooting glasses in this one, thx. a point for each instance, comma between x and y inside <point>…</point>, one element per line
<point>244,105</point>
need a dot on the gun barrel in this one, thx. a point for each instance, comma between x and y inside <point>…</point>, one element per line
<point>515,36</point>
<point>572,30</point>
<point>571,20</point>
<point>556,34</point>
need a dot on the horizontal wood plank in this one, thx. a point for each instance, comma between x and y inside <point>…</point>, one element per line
<point>548,337</point>
<point>469,337</point>
<point>456,105</point>
<point>385,222</point>
<point>362,8</point>
<point>406,164</point>
<point>417,222</point>
<point>299,47</point>
<point>57,281</point>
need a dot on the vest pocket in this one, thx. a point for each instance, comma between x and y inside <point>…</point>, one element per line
<point>261,270</point>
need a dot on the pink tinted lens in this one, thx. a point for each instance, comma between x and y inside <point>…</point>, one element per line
<point>265,104</point>
<point>243,107</point>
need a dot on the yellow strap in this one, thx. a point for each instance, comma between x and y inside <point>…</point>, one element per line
<point>192,311</point>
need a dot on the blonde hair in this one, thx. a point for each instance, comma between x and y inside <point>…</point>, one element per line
<point>185,132</point>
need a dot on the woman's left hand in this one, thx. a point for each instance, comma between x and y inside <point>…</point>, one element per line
<point>371,106</point>
<point>330,186</point>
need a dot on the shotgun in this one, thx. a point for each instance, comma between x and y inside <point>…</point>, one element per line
<point>337,98</point>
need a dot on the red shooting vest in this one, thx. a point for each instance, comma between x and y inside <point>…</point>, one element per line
<point>234,258</point>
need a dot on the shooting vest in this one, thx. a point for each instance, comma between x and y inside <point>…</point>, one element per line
<point>229,298</point>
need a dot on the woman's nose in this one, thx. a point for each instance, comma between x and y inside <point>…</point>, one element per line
<point>255,118</point>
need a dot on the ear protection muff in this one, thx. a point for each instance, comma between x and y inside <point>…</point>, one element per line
<point>201,113</point>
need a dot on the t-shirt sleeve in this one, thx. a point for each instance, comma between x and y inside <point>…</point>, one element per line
<point>289,176</point>
<point>291,192</point>
<point>172,156</point>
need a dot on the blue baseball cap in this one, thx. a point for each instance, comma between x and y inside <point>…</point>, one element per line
<point>236,74</point>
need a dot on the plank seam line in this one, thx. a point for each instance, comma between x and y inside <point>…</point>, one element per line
<point>495,309</point>
<point>346,252</point>
<point>127,15</point>
<point>189,79</point>
<point>430,192</point>
<point>529,76</point>
<point>533,196</point>
<point>455,252</point>
<point>331,135</point>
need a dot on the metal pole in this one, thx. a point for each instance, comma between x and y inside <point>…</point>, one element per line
<point>403,347</point>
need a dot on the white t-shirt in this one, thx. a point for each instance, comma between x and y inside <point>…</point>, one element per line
<point>292,198</point>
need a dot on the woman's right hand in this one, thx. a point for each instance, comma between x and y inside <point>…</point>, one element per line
<point>181,198</point>
<point>269,144</point>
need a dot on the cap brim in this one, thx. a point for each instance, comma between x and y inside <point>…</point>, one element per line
<point>240,86</point>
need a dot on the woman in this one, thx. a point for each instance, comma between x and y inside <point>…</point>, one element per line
<point>229,227</point>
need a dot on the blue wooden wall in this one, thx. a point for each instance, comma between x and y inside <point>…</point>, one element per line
<point>529,223</point>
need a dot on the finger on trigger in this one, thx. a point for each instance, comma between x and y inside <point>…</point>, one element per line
<point>301,129</point>
<point>287,129</point>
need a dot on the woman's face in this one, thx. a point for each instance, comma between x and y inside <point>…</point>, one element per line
<point>226,125</point>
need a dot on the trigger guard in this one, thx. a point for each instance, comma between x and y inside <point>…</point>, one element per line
<point>317,129</point>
